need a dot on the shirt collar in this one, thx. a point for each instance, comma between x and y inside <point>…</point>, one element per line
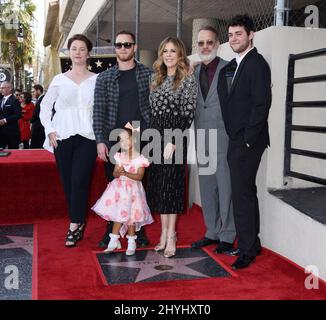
<point>240,58</point>
<point>212,64</point>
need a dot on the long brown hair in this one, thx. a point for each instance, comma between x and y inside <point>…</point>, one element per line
<point>160,69</point>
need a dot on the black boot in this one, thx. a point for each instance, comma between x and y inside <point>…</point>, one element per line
<point>142,240</point>
<point>106,238</point>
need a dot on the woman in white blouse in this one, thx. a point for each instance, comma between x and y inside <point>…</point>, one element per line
<point>69,132</point>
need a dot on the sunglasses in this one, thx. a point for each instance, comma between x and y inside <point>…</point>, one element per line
<point>210,43</point>
<point>127,45</point>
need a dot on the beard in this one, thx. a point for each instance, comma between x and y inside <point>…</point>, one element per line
<point>125,57</point>
<point>209,56</point>
<point>240,48</point>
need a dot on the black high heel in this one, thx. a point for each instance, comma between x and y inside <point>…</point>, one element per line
<point>73,236</point>
<point>80,232</point>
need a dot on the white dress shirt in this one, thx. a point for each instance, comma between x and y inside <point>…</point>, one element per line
<point>73,106</point>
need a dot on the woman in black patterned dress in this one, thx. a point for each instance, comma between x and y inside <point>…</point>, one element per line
<point>173,102</point>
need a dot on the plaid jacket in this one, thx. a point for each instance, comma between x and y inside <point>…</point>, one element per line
<point>106,100</point>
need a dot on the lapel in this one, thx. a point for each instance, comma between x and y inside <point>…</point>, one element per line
<point>7,101</point>
<point>238,74</point>
<point>213,86</point>
<point>225,78</point>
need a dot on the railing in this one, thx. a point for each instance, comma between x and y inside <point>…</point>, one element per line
<point>289,126</point>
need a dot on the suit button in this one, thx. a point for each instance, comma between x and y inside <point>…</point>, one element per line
<point>205,107</point>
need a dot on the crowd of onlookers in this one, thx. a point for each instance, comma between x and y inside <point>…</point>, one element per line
<point>20,126</point>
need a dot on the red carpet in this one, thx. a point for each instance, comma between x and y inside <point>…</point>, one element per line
<point>72,273</point>
<point>30,186</point>
<point>31,192</point>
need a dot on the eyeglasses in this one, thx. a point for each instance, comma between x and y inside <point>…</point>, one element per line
<point>127,45</point>
<point>210,43</point>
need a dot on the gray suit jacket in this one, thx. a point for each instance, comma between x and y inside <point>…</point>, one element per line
<point>208,113</point>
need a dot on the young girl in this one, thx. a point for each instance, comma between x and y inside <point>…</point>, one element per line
<point>124,200</point>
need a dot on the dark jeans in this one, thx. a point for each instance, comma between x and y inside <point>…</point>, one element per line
<point>75,159</point>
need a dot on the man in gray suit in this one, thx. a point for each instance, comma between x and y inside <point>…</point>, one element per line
<point>214,175</point>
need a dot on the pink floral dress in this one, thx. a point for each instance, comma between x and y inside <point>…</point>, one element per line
<point>124,199</point>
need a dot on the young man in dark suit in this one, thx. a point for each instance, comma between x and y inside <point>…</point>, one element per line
<point>245,93</point>
<point>10,113</point>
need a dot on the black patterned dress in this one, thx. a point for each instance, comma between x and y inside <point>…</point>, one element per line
<point>170,109</point>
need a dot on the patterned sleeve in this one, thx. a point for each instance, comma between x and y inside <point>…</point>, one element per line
<point>100,112</point>
<point>188,101</point>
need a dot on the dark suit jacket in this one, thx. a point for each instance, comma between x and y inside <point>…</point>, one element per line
<point>35,120</point>
<point>11,112</point>
<point>245,104</point>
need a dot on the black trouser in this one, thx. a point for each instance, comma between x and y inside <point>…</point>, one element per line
<point>10,140</point>
<point>26,144</point>
<point>75,159</point>
<point>244,163</point>
<point>38,138</point>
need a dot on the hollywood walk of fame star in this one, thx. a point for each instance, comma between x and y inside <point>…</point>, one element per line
<point>99,64</point>
<point>155,264</point>
<point>25,243</point>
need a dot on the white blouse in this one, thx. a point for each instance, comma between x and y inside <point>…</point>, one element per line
<point>73,108</point>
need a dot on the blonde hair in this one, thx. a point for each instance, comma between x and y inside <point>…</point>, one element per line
<point>160,69</point>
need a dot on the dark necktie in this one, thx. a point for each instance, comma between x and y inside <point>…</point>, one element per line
<point>204,82</point>
<point>230,75</point>
<point>235,70</point>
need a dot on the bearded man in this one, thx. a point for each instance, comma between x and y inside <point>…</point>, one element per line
<point>215,186</point>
